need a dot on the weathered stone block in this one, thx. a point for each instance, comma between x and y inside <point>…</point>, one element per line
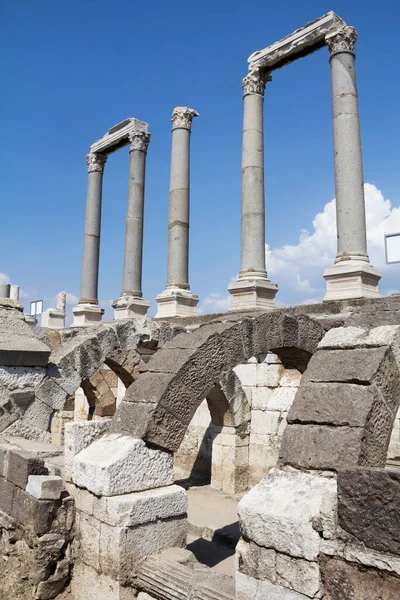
<point>88,584</point>
<point>344,404</point>
<point>21,464</point>
<point>321,447</point>
<point>269,375</point>
<point>248,588</point>
<point>117,464</point>
<point>37,515</point>
<point>345,581</point>
<point>79,435</point>
<point>6,495</point>
<point>297,574</point>
<point>352,366</point>
<point>280,512</point>
<point>369,505</point>
<point>281,399</point>
<point>137,508</point>
<point>45,487</point>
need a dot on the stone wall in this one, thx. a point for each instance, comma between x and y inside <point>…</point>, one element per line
<point>36,523</point>
<point>269,387</point>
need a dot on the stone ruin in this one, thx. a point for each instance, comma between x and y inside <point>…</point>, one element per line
<point>250,455</point>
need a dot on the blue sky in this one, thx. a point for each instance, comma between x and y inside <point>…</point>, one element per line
<point>72,70</point>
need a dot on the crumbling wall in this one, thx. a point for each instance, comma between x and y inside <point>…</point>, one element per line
<point>36,523</point>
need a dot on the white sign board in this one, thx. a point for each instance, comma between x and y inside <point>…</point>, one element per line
<point>392,248</point>
<point>36,308</point>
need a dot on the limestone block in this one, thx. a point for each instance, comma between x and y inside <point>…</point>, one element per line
<point>84,500</point>
<point>21,464</point>
<point>45,487</point>
<point>248,588</point>
<point>282,398</point>
<point>14,378</point>
<point>290,378</point>
<point>280,511</point>
<point>137,508</point>
<point>79,435</point>
<point>263,455</point>
<point>368,505</point>
<point>122,549</point>
<point>247,374</point>
<point>255,561</point>
<point>260,397</point>
<point>230,468</point>
<point>298,574</point>
<point>269,375</point>
<point>118,464</point>
<point>88,584</point>
<point>270,359</point>
<point>268,422</point>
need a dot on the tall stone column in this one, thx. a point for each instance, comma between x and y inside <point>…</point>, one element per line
<point>131,304</point>
<point>253,290</point>
<point>88,311</point>
<point>352,276</point>
<point>177,300</point>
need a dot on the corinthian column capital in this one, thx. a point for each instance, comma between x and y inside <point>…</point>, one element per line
<point>96,162</point>
<point>139,140</point>
<point>182,117</point>
<point>255,82</point>
<point>341,40</point>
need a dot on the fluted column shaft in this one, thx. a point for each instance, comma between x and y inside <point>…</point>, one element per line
<point>252,205</point>
<point>179,192</point>
<point>133,255</point>
<point>91,240</point>
<point>349,180</point>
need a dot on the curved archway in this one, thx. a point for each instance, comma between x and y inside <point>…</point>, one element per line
<point>160,404</point>
<point>345,408</point>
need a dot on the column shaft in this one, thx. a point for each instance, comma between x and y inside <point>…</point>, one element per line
<point>178,216</point>
<point>132,277</point>
<point>253,210</point>
<point>91,241</point>
<point>349,181</point>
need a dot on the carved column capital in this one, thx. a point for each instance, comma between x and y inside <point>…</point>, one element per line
<point>139,140</point>
<point>255,82</point>
<point>182,117</point>
<point>341,40</point>
<point>96,162</point>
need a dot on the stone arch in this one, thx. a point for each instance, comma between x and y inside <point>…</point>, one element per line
<point>344,411</point>
<point>160,404</point>
<point>114,344</point>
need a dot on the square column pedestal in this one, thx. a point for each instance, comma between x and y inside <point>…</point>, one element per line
<point>53,318</point>
<point>86,315</point>
<point>175,302</point>
<point>252,294</point>
<point>130,307</point>
<point>350,279</point>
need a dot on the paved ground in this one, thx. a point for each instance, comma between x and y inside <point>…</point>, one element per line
<point>213,528</point>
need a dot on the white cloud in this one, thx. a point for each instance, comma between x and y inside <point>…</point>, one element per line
<point>214,303</point>
<point>298,268</point>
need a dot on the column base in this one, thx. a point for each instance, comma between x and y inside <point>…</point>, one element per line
<point>86,315</point>
<point>130,307</point>
<point>351,279</point>
<point>255,294</point>
<point>53,318</point>
<point>175,302</point>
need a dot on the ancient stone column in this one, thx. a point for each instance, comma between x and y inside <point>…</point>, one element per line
<point>88,312</point>
<point>352,276</point>
<point>253,289</point>
<point>131,304</point>
<point>177,300</point>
